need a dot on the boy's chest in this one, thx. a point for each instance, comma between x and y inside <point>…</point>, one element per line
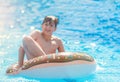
<point>48,46</point>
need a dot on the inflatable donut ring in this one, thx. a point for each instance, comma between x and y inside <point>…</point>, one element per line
<point>59,65</point>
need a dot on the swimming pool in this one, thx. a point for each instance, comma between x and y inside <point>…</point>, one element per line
<point>90,26</point>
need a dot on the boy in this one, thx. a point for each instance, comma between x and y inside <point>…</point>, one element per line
<point>41,42</point>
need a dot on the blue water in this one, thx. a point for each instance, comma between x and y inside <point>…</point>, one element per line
<point>90,26</point>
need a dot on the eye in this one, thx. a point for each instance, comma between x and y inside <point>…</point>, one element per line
<point>46,24</point>
<point>51,25</point>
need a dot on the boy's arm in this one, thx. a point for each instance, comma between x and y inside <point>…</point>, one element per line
<point>21,56</point>
<point>61,47</point>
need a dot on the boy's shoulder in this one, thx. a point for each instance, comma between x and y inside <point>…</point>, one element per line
<point>56,38</point>
<point>37,31</point>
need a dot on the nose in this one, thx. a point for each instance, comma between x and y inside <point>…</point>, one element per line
<point>48,27</point>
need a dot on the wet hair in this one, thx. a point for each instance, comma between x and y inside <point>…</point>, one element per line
<point>51,19</point>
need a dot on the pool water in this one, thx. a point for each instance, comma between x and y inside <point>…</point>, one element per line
<point>90,26</point>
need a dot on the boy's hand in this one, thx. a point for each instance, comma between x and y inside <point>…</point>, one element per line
<point>17,69</point>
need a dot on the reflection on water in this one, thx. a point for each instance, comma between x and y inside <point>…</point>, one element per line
<point>6,14</point>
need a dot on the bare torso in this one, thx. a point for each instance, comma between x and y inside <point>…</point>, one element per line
<point>48,46</point>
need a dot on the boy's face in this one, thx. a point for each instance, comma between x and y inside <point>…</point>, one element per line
<point>48,28</point>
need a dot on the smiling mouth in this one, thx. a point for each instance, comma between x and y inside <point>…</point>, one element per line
<point>48,31</point>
